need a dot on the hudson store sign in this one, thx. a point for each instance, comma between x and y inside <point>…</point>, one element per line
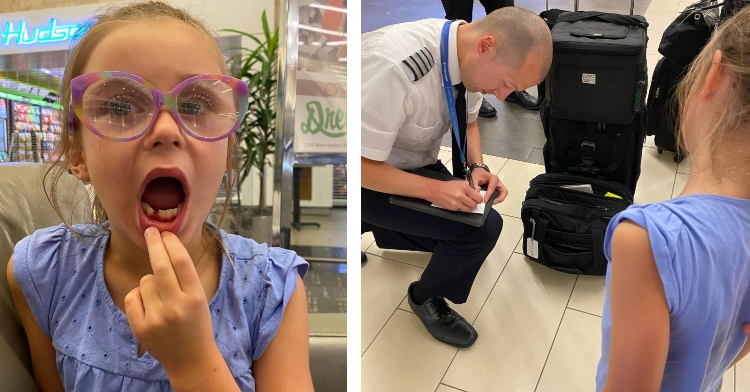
<point>22,33</point>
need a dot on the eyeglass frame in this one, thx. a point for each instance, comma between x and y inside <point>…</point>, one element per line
<point>79,84</point>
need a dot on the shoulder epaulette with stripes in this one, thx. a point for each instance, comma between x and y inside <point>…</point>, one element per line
<point>419,63</point>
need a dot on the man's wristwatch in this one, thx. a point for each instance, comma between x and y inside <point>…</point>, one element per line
<point>476,165</point>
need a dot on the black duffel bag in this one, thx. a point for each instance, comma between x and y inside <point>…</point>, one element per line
<point>689,32</point>
<point>564,228</point>
<point>599,70</point>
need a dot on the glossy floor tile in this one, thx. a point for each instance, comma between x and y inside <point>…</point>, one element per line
<point>522,315</point>
<point>539,330</point>
<point>571,365</point>
<point>384,285</point>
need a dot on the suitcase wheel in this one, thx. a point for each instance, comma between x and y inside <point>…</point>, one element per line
<point>659,150</point>
<point>679,158</point>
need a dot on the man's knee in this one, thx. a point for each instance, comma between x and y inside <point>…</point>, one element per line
<point>493,225</point>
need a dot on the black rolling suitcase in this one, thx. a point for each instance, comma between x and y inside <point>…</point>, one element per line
<point>680,44</point>
<point>608,151</point>
<point>662,107</point>
<point>564,228</point>
<point>599,71</point>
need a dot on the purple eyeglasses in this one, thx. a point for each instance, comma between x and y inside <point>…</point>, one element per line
<point>119,106</point>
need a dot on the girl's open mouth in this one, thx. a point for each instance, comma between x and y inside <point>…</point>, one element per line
<point>163,201</point>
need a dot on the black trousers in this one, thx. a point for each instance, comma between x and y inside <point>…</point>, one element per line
<point>461,9</point>
<point>458,250</point>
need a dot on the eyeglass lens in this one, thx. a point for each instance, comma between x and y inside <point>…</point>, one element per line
<point>122,107</point>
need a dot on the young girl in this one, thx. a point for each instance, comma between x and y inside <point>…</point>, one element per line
<point>678,285</point>
<point>154,302</point>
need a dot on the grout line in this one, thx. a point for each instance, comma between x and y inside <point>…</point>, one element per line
<point>734,370</point>
<point>451,386</point>
<point>398,261</point>
<point>381,329</point>
<point>478,313</point>
<point>556,332</point>
<point>581,311</point>
<point>448,368</point>
<point>493,288</point>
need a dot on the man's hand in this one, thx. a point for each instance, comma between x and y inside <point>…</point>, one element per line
<point>482,177</point>
<point>455,195</point>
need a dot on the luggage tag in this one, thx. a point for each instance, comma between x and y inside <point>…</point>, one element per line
<point>532,248</point>
<point>532,245</point>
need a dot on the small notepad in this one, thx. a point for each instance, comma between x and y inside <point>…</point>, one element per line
<point>479,209</point>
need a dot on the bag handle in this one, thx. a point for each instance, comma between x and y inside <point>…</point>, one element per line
<point>622,20</point>
<point>697,7</point>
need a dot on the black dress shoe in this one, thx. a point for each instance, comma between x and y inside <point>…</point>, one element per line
<point>443,323</point>
<point>524,100</point>
<point>486,110</point>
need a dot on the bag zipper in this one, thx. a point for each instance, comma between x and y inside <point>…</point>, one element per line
<point>557,180</point>
<point>561,214</point>
<point>562,203</point>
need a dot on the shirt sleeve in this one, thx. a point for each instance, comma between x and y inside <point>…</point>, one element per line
<point>35,260</point>
<point>385,93</point>
<point>279,283</point>
<point>664,231</point>
<point>474,103</point>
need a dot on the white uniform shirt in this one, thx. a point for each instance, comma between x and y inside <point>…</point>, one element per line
<point>403,121</point>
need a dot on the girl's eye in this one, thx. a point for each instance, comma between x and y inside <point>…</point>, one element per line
<point>119,108</point>
<point>196,104</point>
<point>191,108</point>
<point>119,105</point>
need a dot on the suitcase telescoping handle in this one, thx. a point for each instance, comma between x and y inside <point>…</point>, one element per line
<point>621,20</point>
<point>575,5</point>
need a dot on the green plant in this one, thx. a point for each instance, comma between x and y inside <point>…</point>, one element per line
<point>256,137</point>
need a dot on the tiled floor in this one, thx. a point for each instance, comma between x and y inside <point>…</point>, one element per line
<point>539,330</point>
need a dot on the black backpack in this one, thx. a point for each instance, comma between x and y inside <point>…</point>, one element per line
<point>564,228</point>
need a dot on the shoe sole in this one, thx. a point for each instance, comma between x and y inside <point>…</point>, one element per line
<point>457,345</point>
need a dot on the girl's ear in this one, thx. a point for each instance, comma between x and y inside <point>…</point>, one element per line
<point>78,167</point>
<point>714,77</point>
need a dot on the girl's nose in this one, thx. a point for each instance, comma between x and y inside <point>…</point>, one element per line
<point>165,130</point>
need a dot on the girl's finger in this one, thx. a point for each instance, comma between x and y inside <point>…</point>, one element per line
<point>164,275</point>
<point>149,294</point>
<point>134,308</point>
<point>182,264</point>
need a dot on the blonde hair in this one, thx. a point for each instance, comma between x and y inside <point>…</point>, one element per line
<point>733,39</point>
<point>69,147</point>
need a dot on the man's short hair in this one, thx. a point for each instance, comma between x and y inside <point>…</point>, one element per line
<point>518,31</point>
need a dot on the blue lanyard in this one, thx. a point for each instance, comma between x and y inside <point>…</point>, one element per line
<point>449,90</point>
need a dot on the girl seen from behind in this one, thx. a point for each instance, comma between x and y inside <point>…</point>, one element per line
<point>678,284</point>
